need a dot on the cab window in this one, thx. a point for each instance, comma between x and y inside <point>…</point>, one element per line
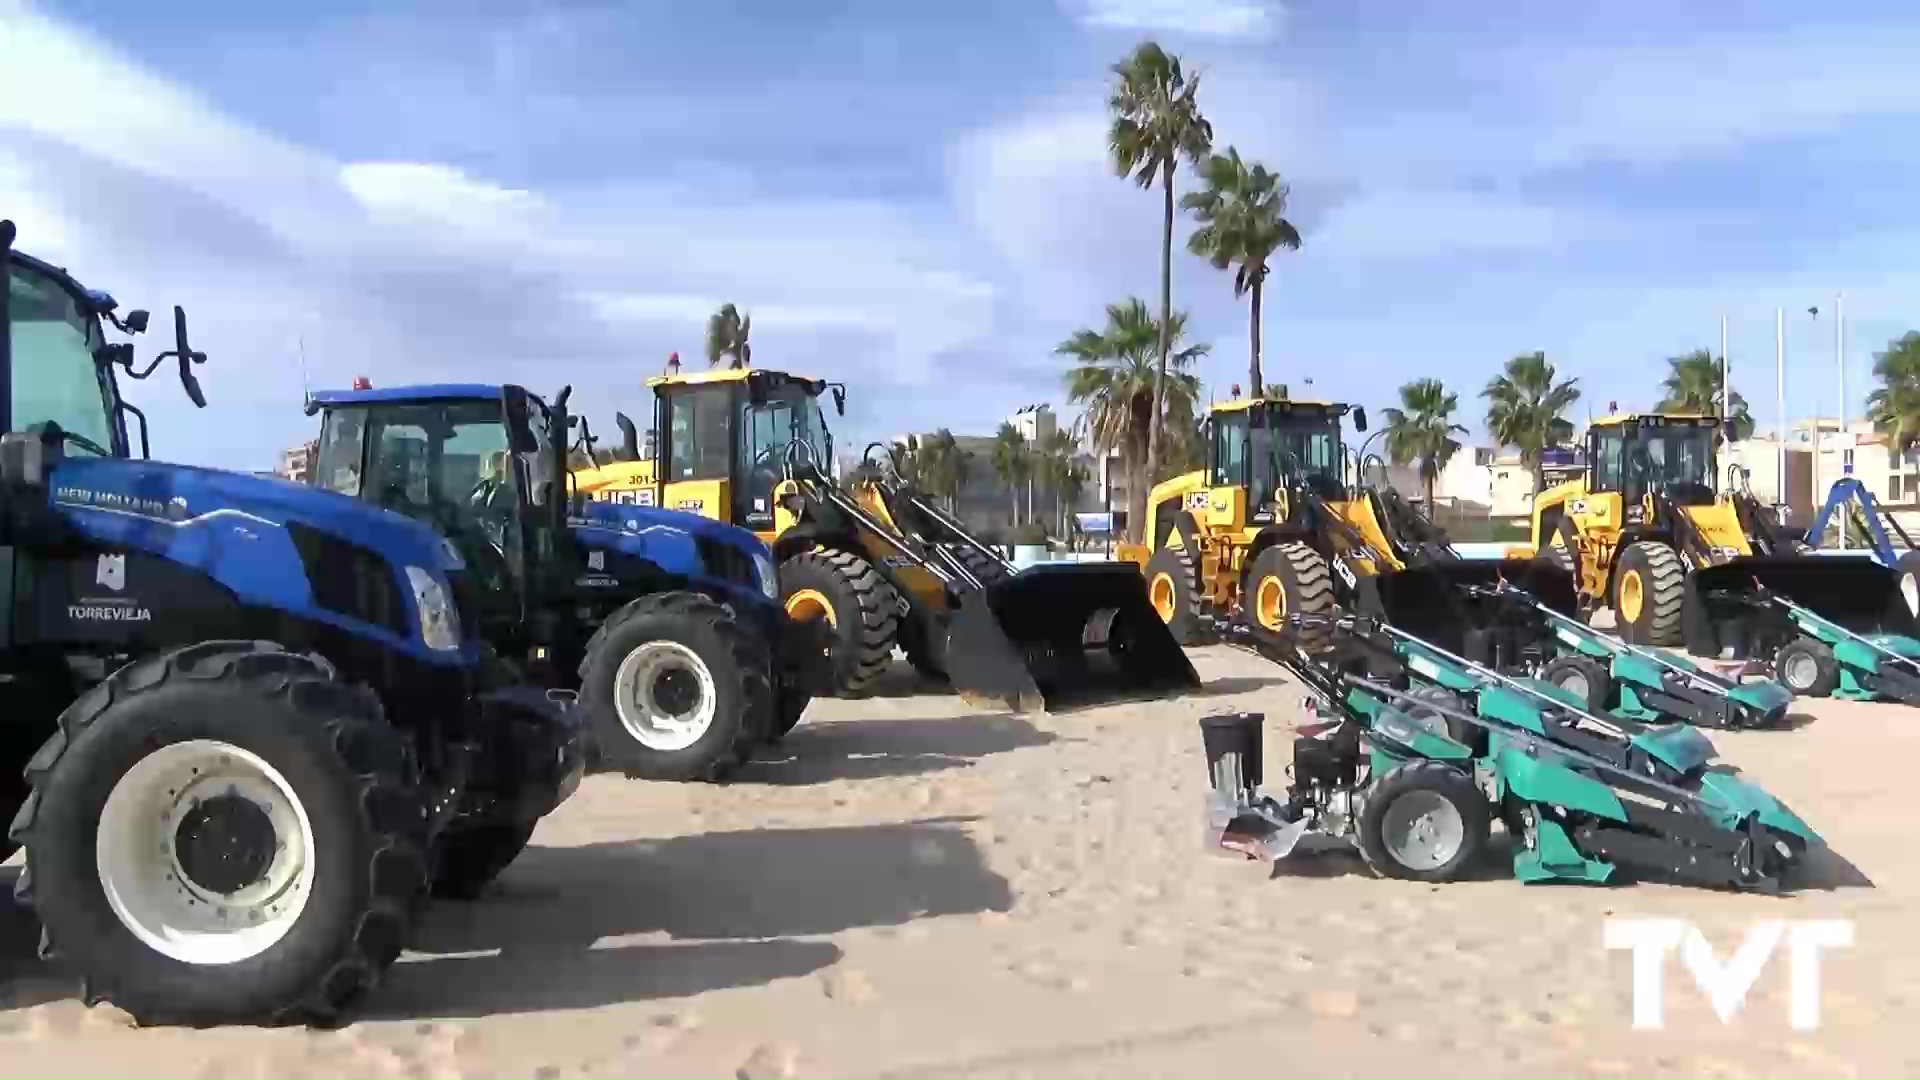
<point>1230,450</point>
<point>1608,456</point>
<point>698,433</point>
<point>54,374</point>
<point>337,466</point>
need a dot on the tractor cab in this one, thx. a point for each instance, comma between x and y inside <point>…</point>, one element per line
<point>727,438</point>
<point>1634,456</point>
<point>471,461</point>
<point>1260,449</point>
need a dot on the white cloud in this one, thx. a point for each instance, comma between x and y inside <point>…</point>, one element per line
<point>416,270</point>
<point>1212,18</point>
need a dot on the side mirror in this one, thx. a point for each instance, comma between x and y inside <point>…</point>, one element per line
<point>1359,418</point>
<point>839,400</point>
<point>187,358</point>
<point>136,321</point>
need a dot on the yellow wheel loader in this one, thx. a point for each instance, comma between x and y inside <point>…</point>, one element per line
<point>1271,528</point>
<point>1644,533</point>
<point>878,562</point>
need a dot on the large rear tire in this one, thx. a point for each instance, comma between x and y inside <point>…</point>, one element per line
<point>224,834</point>
<point>1172,594</point>
<point>676,688</point>
<point>1649,587</point>
<point>1286,580</point>
<point>860,605</point>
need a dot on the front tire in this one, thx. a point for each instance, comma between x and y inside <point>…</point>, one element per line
<point>1582,676</point>
<point>676,688</point>
<point>1423,821</point>
<point>860,606</point>
<point>1171,592</point>
<point>1807,667</point>
<point>1291,579</point>
<point>224,834</point>
<point>1649,587</point>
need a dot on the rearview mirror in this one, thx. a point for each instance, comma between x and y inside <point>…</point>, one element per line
<point>1359,419</point>
<point>839,400</point>
<point>136,321</point>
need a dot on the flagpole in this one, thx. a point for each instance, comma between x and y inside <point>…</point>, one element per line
<point>1780,400</point>
<point>1840,368</point>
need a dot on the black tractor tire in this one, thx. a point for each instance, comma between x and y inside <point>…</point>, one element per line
<point>466,858</point>
<point>1421,711</point>
<point>789,704</point>
<point>1286,580</point>
<point>1173,594</point>
<point>1652,570</point>
<point>1584,676</point>
<point>349,773</point>
<point>1814,671</point>
<point>708,653</point>
<point>1440,786</point>
<point>861,606</point>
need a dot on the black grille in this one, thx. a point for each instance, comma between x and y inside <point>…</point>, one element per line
<point>726,562</point>
<point>350,580</point>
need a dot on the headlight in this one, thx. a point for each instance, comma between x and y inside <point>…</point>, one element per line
<point>439,622</point>
<point>769,577</point>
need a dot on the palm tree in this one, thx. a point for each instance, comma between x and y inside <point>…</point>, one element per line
<point>1693,385</point>
<point>1060,472</point>
<point>1422,430</point>
<point>942,465</point>
<point>1895,407</point>
<point>1242,213</point>
<point>727,332</point>
<point>1116,380</point>
<point>1524,407</point>
<point>1156,122</point>
<point>1012,462</point>
<point>909,459</point>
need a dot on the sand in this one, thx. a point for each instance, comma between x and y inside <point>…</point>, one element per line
<point>907,889</point>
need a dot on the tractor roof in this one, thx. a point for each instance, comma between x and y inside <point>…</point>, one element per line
<point>1285,404</point>
<point>1683,419</point>
<point>720,375</point>
<point>427,392</point>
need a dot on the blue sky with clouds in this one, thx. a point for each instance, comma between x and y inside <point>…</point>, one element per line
<point>915,198</point>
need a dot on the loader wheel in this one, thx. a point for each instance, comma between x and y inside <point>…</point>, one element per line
<point>1286,580</point>
<point>466,858</point>
<point>1583,677</point>
<point>989,571</point>
<point>860,605</point>
<point>1649,588</point>
<point>1807,667</point>
<point>1423,821</point>
<point>1170,589</point>
<point>676,688</point>
<point>226,833</point>
<point>920,653</point>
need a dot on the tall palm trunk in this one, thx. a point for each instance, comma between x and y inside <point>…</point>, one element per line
<point>1255,377</point>
<point>1427,474</point>
<point>1166,345</point>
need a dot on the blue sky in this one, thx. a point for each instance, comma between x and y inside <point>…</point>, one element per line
<point>914,198</point>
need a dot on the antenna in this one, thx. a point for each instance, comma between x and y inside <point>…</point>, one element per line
<point>306,388</point>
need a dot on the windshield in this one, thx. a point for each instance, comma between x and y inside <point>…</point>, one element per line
<point>788,413</point>
<point>1266,450</point>
<point>55,376</point>
<point>446,463</point>
<point>1679,454</point>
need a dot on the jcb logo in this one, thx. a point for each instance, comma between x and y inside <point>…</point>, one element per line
<point>1346,573</point>
<point>1197,501</point>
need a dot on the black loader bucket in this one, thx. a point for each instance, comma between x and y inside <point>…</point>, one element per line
<point>1438,602</point>
<point>1064,634</point>
<point>1722,606</point>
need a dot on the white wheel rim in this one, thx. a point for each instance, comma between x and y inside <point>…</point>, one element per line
<point>1574,682</point>
<point>153,830</point>
<point>659,709</point>
<point>1910,591</point>
<point>1801,671</point>
<point>1423,830</point>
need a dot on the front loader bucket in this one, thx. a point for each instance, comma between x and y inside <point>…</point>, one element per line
<point>1064,634</point>
<point>1437,602</point>
<point>1855,592</point>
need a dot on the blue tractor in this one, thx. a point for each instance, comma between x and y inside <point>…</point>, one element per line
<point>667,625</point>
<point>249,724</point>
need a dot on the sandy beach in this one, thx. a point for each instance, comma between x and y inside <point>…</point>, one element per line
<point>910,889</point>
